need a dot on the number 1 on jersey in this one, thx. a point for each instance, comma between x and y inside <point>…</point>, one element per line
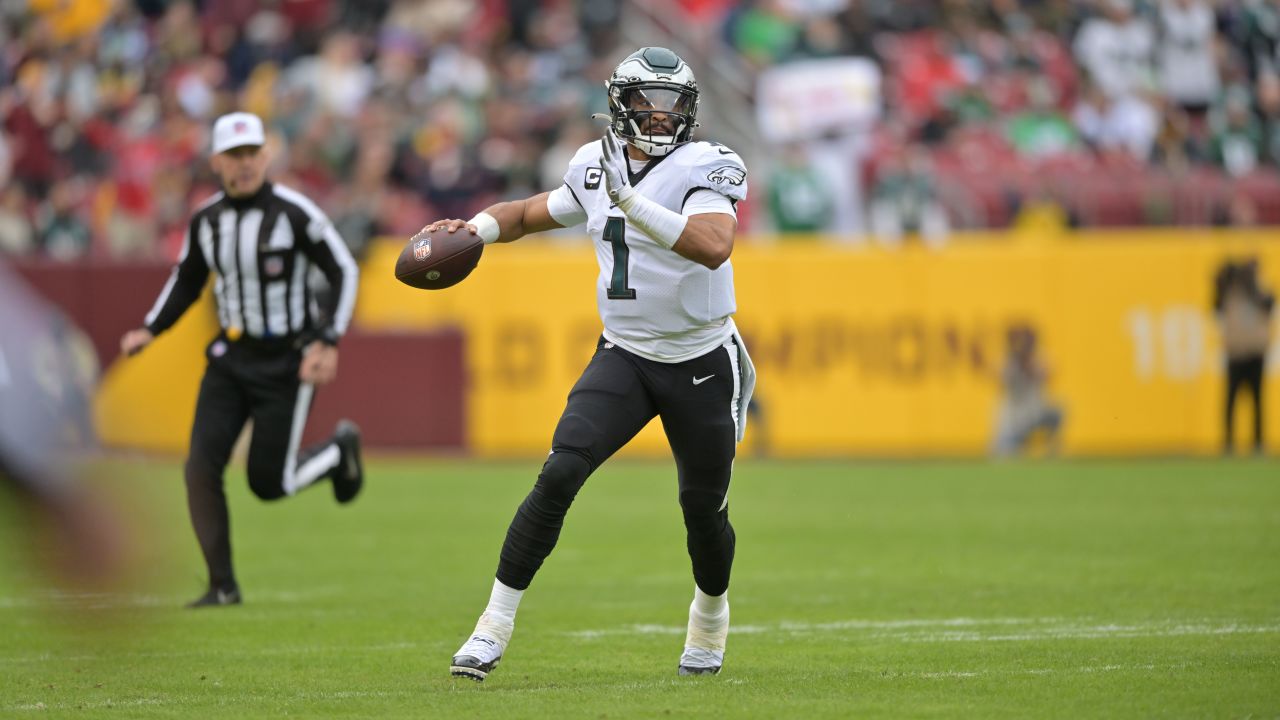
<point>615,233</point>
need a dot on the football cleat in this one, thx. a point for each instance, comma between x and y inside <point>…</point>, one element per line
<point>696,661</point>
<point>348,478</point>
<point>476,658</point>
<point>216,597</point>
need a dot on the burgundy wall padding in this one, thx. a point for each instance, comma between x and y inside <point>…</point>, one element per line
<point>104,299</point>
<point>405,390</point>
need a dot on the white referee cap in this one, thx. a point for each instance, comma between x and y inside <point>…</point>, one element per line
<point>236,129</point>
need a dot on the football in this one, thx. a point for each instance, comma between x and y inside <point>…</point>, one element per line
<point>437,260</point>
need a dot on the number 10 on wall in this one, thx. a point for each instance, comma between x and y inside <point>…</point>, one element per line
<point>1168,343</point>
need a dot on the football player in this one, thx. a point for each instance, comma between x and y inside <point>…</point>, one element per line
<point>660,209</point>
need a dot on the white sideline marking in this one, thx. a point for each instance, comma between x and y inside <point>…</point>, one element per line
<point>788,626</point>
<point>1085,670</point>
<point>98,705</point>
<point>965,629</point>
<point>606,688</point>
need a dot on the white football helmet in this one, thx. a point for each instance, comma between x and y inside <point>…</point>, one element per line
<point>653,81</point>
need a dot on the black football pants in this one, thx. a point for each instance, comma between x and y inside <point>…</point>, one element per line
<point>617,395</point>
<point>243,380</point>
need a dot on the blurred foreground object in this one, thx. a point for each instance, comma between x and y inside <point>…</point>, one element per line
<point>47,373</point>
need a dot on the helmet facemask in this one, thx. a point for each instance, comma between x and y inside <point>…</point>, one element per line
<point>656,117</point>
<point>653,101</point>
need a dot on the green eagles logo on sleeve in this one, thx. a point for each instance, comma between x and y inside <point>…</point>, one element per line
<point>729,174</point>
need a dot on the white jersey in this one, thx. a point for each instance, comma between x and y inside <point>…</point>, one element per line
<point>652,301</point>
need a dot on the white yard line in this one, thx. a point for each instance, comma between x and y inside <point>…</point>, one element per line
<point>605,688</point>
<point>1085,670</point>
<point>902,630</point>
<point>907,631</point>
<point>964,629</point>
<point>96,705</point>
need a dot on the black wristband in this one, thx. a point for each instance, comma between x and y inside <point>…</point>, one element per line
<point>329,336</point>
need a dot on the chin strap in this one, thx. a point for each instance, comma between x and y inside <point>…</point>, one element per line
<point>656,149</point>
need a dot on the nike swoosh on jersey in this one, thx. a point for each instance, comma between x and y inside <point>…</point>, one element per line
<point>699,381</point>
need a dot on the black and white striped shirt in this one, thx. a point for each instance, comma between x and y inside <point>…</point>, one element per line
<point>261,249</point>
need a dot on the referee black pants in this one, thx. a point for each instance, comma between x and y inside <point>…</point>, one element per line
<point>617,395</point>
<point>243,380</point>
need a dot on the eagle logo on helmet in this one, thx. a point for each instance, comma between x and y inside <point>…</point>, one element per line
<point>649,82</point>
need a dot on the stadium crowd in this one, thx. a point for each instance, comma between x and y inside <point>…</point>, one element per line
<point>392,112</point>
<point>1108,112</point>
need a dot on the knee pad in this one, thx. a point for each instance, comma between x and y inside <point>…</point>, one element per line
<point>562,476</point>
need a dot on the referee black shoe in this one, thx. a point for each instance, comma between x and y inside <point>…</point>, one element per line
<point>216,597</point>
<point>348,478</point>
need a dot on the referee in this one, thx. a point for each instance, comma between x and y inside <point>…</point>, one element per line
<point>260,241</point>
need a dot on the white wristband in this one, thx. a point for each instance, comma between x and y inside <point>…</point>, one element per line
<point>659,223</point>
<point>486,227</point>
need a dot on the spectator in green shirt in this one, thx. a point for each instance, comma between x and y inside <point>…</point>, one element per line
<point>1041,129</point>
<point>1237,136</point>
<point>799,200</point>
<point>766,33</point>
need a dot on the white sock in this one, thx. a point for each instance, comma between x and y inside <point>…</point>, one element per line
<point>710,606</point>
<point>708,622</point>
<point>500,614</point>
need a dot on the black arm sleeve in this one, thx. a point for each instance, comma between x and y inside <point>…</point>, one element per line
<point>184,285</point>
<point>329,253</point>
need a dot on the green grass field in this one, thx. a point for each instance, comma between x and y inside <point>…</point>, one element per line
<point>1019,590</point>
